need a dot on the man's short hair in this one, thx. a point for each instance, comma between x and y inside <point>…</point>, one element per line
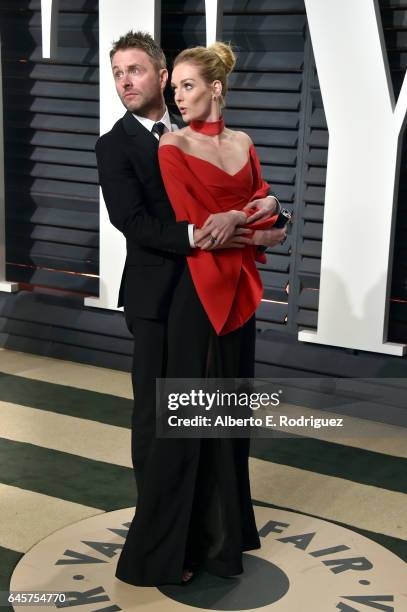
<point>143,41</point>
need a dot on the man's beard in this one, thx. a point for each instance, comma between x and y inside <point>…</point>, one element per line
<point>139,104</point>
<point>134,104</point>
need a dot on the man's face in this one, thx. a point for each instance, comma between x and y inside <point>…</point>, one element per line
<point>139,83</point>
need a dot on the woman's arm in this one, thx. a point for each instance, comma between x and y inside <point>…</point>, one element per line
<point>189,198</point>
<point>268,206</point>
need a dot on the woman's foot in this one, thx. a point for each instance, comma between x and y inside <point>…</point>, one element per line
<point>187,575</point>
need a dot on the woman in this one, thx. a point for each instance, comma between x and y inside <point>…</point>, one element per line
<point>210,174</point>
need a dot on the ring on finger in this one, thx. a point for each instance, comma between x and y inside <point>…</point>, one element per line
<point>213,239</point>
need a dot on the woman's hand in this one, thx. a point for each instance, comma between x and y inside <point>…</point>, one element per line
<point>262,208</point>
<point>221,227</point>
<point>271,237</point>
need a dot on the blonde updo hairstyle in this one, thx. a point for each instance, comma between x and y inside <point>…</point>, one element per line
<point>215,63</point>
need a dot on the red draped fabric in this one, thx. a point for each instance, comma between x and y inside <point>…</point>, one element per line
<point>227,280</point>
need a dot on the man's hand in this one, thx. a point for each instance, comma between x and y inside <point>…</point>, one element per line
<point>201,235</point>
<point>244,236</point>
<point>241,238</point>
<point>202,239</point>
<point>220,228</point>
<point>270,237</point>
<point>262,208</point>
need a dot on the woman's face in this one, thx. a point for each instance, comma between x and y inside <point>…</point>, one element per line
<point>192,94</point>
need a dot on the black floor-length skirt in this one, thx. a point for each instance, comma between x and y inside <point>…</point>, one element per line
<point>194,506</point>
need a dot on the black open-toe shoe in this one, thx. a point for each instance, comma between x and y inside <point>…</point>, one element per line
<point>192,567</point>
<point>187,579</point>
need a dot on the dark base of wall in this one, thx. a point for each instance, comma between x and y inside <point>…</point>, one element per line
<point>280,354</point>
<point>60,326</point>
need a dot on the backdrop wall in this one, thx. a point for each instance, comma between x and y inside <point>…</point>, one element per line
<point>51,112</point>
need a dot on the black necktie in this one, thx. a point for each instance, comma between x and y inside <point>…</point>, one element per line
<point>158,128</point>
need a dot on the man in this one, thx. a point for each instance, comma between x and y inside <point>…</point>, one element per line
<point>138,206</point>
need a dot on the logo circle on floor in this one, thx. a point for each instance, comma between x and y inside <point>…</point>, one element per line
<point>302,561</point>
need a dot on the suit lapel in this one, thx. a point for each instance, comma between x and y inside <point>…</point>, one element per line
<point>134,128</point>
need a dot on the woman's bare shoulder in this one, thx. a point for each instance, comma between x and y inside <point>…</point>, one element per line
<point>240,138</point>
<point>169,138</point>
<point>243,138</point>
<point>176,138</point>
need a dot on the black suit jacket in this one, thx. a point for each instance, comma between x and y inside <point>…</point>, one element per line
<point>138,206</point>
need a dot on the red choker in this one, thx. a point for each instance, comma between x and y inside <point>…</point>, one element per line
<point>210,128</point>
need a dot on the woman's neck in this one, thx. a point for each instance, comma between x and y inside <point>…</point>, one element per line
<point>208,127</point>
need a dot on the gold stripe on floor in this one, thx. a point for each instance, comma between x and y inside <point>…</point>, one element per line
<point>28,517</point>
<point>377,437</point>
<point>329,497</point>
<point>60,372</point>
<point>357,433</point>
<point>73,435</point>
